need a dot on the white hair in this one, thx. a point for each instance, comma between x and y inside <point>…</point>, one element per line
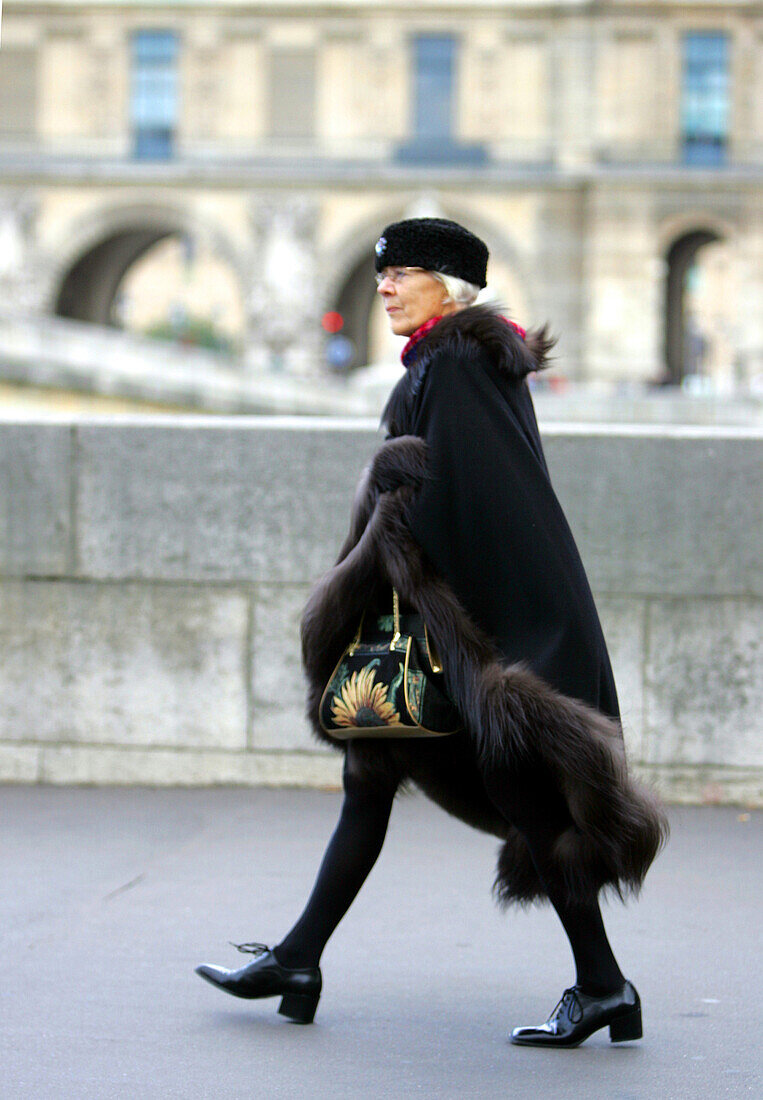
<point>458,290</point>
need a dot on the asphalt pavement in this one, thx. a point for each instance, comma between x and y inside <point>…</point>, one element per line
<point>110,897</point>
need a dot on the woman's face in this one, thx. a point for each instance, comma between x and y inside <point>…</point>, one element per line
<point>412,296</point>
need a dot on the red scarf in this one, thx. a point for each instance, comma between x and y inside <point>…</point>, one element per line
<point>406,356</point>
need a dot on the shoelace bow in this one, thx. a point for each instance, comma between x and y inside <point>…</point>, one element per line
<point>250,948</point>
<point>569,1000</point>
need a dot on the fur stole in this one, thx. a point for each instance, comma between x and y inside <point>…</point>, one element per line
<point>519,730</point>
<point>514,355</point>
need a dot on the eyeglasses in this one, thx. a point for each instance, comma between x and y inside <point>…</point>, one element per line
<point>396,275</point>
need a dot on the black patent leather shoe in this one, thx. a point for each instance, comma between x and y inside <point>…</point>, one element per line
<point>578,1015</point>
<point>300,989</point>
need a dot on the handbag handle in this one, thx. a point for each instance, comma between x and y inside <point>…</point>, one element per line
<point>396,631</point>
<point>434,660</point>
<point>396,616</point>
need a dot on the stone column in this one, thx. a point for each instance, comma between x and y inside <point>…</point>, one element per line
<point>108,89</point>
<point>748,366</point>
<point>559,270</point>
<point>573,91</point>
<point>201,81</point>
<point>623,283</point>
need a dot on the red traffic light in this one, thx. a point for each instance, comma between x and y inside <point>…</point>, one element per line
<point>332,321</point>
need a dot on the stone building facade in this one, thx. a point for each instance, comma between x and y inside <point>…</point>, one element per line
<point>610,153</point>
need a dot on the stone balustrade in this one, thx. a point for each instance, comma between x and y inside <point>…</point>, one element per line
<point>153,570</point>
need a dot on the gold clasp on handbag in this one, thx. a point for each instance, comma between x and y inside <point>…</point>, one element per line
<point>396,613</point>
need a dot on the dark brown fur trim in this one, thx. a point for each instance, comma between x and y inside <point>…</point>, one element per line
<point>515,721</point>
<point>539,343</point>
<point>513,355</point>
<point>398,461</point>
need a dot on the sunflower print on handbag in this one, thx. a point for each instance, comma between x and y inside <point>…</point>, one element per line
<point>388,683</point>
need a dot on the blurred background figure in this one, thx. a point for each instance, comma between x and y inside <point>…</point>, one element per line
<point>169,173</point>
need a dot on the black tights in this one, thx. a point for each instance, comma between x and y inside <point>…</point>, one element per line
<point>595,963</point>
<point>353,850</point>
<point>351,853</point>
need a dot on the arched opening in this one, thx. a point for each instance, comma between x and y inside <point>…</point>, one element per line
<point>89,288</point>
<point>700,321</point>
<point>354,304</point>
<point>158,281</point>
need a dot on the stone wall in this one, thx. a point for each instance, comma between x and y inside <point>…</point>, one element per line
<point>152,573</point>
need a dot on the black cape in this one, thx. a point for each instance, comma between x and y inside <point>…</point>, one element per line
<point>456,510</point>
<point>487,516</point>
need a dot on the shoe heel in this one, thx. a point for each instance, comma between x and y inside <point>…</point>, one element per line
<point>299,1006</point>
<point>626,1027</point>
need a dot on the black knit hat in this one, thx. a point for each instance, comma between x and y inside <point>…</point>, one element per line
<point>436,244</point>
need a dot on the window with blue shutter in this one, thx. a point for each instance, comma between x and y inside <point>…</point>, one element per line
<point>433,138</point>
<point>705,97</point>
<point>433,86</point>
<point>154,93</point>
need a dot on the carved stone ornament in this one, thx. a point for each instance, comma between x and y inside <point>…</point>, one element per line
<point>281,310</point>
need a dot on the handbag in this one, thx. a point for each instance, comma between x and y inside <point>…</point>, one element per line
<point>388,683</point>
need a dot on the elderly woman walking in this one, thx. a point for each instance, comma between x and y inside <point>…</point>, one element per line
<point>456,518</point>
